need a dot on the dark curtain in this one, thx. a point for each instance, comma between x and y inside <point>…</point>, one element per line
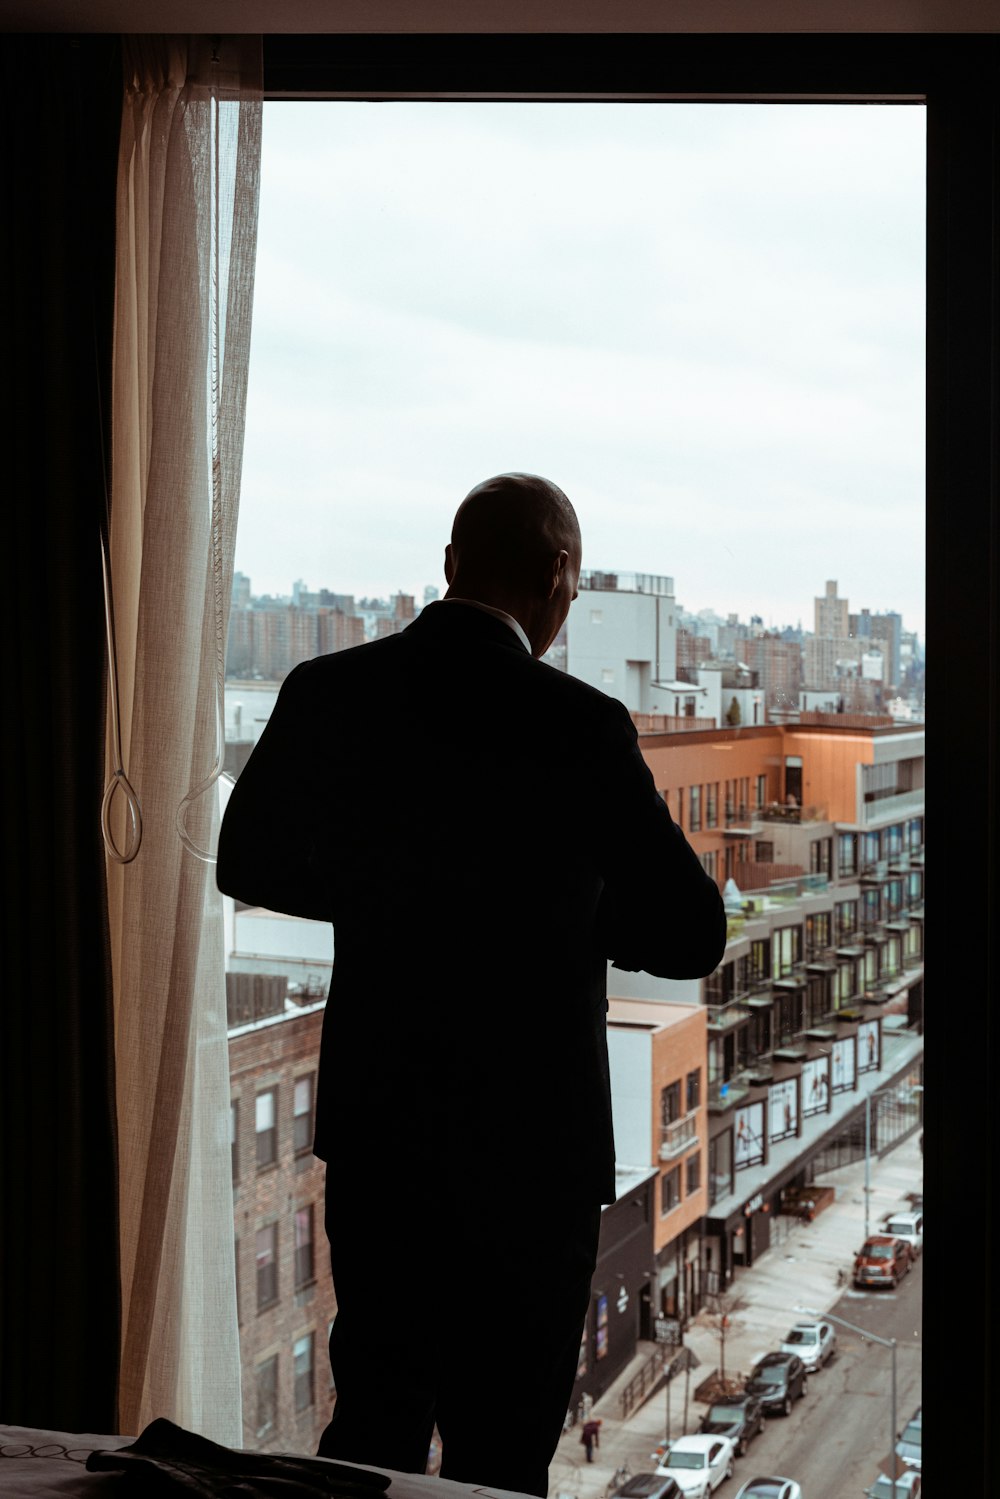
<point>60,99</point>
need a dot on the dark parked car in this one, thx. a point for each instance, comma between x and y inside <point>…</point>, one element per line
<point>738,1417</point>
<point>649,1486</point>
<point>777,1379</point>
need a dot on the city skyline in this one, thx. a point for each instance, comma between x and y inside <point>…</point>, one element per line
<point>705,322</point>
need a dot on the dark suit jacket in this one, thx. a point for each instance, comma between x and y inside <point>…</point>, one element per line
<point>484,834</point>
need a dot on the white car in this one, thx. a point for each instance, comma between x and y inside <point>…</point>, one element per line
<point>770,1488</point>
<point>908,1226</point>
<point>813,1341</point>
<point>698,1464</point>
<point>907,1486</point>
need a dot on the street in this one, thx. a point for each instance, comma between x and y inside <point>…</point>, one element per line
<point>836,1436</point>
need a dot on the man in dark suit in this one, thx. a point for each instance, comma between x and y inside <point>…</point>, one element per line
<point>484,835</point>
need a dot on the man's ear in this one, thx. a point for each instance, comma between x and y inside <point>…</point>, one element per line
<point>559,562</point>
<point>449,564</point>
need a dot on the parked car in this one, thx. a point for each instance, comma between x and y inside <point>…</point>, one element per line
<point>649,1486</point>
<point>907,1225</point>
<point>739,1417</point>
<point>813,1341</point>
<point>882,1260</point>
<point>907,1486</point>
<point>698,1464</point>
<point>770,1488</point>
<point>777,1379</point>
<point>908,1447</point>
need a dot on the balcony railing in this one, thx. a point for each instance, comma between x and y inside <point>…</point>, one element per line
<point>780,812</point>
<point>679,1135</point>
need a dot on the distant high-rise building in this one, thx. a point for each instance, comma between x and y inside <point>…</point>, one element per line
<point>831,614</point>
<point>241,591</point>
<point>778,664</point>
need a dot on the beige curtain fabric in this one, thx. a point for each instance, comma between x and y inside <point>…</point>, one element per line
<point>188,181</point>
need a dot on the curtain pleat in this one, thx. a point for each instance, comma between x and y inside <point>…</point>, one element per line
<point>186,239</point>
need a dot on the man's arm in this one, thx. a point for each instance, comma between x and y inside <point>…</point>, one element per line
<point>267,854</point>
<point>659,911</point>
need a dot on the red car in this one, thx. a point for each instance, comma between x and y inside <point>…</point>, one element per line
<point>882,1260</point>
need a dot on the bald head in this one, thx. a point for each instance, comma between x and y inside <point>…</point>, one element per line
<point>515,544</point>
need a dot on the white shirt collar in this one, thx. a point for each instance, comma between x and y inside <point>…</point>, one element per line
<point>508,619</point>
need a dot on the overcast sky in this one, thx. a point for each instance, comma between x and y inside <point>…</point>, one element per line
<point>704,322</point>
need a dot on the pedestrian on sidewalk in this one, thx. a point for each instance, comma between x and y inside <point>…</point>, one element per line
<point>591,1437</point>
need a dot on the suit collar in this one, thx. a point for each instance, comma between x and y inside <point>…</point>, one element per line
<point>458,620</point>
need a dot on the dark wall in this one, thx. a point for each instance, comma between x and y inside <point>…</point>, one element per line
<point>625,1261</point>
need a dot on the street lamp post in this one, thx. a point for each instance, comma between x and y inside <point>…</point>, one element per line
<point>886,1343</point>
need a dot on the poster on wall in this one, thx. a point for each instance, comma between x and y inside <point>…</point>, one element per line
<point>815,1085</point>
<point>783,1109</point>
<point>581,1362</point>
<point>749,1145</point>
<point>868,1046</point>
<point>602,1327</point>
<point>843,1064</point>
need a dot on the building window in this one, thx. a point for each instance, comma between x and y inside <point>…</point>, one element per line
<point>693,1089</point>
<point>915,834</point>
<point>871,849</point>
<point>708,863</point>
<point>267,1266</point>
<point>694,808</point>
<point>712,804</point>
<point>847,854</point>
<point>607,676</point>
<point>234,1137</point>
<point>265,1122</point>
<point>670,1103</point>
<point>597,616</point>
<point>693,1166</point>
<point>304,1363</point>
<point>765,851</point>
<point>760,792</point>
<point>871,906</point>
<point>820,856</point>
<point>894,841</point>
<point>302,1114</point>
<point>760,960</point>
<point>680,807</point>
<point>847,919</point>
<point>847,982</point>
<point>720,1167</point>
<point>267,1395</point>
<point>786,950</point>
<point>817,932</point>
<point>304,1270</point>
<point>819,997</point>
<point>670,1191</point>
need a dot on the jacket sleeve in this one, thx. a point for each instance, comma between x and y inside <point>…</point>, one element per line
<point>659,911</point>
<point>267,851</point>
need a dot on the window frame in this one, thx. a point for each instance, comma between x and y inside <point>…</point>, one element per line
<point>954,75</point>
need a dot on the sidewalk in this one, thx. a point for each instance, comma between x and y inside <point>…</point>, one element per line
<point>799,1271</point>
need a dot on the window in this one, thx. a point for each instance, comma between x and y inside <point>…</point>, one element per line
<point>871,849</point>
<point>304,1269</point>
<point>265,1122</point>
<point>720,1167</point>
<point>817,932</point>
<point>819,997</point>
<point>670,1103</point>
<point>786,950</point>
<point>871,906</point>
<point>847,982</point>
<point>820,856</point>
<point>760,792</point>
<point>670,1191</point>
<point>267,1266</point>
<point>680,806</point>
<point>712,804</point>
<point>693,1089</point>
<point>302,1114</point>
<point>894,841</point>
<point>760,960</point>
<point>694,806</point>
<point>847,919</point>
<point>234,1137</point>
<point>607,676</point>
<point>765,851</point>
<point>708,863</point>
<point>915,834</point>
<point>847,854</point>
<point>267,1395</point>
<point>693,1166</point>
<point>304,1365</point>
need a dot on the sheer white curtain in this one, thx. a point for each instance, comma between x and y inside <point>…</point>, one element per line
<point>188,183</point>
